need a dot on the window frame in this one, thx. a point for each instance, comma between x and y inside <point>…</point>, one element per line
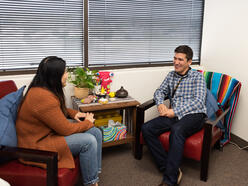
<point>85,62</point>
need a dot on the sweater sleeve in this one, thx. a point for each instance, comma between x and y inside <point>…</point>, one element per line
<point>46,108</point>
<point>72,112</point>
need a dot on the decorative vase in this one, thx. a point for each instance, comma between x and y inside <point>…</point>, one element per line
<point>81,92</point>
<point>121,93</point>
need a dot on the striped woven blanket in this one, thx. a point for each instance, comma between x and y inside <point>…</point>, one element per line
<point>226,91</point>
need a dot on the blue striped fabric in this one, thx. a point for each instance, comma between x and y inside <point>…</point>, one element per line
<point>225,89</point>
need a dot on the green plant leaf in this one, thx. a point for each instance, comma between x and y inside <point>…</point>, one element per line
<point>82,78</point>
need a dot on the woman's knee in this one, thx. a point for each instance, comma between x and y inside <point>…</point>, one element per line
<point>86,139</point>
<point>81,142</point>
<point>91,139</point>
<point>91,143</point>
<point>96,132</point>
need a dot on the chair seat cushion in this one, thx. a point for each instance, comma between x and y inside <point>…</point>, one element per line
<point>18,174</point>
<point>193,144</point>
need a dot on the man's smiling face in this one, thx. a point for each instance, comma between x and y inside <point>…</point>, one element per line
<point>181,64</point>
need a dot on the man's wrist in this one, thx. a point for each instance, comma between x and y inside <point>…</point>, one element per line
<point>159,103</point>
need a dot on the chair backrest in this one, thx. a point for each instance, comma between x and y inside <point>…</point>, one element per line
<point>226,91</point>
<point>7,87</point>
<point>221,85</point>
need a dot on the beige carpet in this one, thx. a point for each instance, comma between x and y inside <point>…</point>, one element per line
<point>119,168</point>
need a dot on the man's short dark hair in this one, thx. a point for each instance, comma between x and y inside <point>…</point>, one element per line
<point>185,50</point>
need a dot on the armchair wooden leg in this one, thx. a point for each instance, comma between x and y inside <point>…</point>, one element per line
<point>206,152</point>
<point>139,152</point>
<point>204,167</point>
<point>52,172</point>
<point>138,145</point>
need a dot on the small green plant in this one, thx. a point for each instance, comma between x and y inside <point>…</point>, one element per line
<point>82,78</point>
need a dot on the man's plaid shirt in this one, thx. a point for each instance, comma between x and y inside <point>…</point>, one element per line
<point>189,97</point>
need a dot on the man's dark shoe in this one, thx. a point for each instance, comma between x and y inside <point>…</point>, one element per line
<point>179,178</point>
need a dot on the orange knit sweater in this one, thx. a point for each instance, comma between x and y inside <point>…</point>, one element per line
<point>42,125</point>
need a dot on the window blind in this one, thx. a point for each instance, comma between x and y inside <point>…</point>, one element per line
<point>33,29</point>
<point>142,31</point>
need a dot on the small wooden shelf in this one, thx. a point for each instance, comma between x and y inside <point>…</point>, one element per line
<point>128,105</point>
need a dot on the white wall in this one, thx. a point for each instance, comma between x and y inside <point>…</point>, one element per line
<point>139,82</point>
<point>225,48</point>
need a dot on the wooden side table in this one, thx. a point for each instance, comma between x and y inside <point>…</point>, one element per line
<point>127,106</point>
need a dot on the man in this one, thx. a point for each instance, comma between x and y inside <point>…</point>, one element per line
<point>186,90</point>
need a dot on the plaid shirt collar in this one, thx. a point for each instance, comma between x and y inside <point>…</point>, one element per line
<point>185,75</point>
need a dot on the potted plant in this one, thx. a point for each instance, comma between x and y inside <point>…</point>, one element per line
<point>83,80</point>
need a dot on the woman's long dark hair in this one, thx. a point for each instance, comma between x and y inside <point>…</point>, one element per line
<point>48,75</point>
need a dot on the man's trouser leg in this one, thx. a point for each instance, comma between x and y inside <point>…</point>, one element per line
<point>150,131</point>
<point>183,128</point>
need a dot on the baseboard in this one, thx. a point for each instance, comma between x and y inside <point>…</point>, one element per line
<point>239,141</point>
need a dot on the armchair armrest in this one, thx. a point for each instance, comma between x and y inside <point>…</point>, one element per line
<point>141,113</point>
<point>148,104</point>
<point>215,121</point>
<point>40,156</point>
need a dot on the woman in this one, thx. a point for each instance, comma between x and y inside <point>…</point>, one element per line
<point>42,122</point>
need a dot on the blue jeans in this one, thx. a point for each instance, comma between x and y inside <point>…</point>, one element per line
<point>180,130</point>
<point>88,145</point>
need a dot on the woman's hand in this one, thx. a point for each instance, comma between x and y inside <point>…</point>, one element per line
<point>79,115</point>
<point>89,116</point>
